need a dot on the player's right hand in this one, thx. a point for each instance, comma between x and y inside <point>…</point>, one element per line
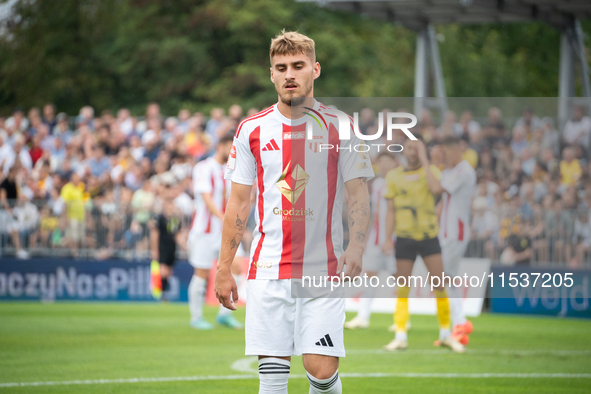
<point>388,248</point>
<point>226,290</point>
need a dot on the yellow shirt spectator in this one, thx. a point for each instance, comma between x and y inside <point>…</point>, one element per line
<point>73,196</point>
<point>570,172</point>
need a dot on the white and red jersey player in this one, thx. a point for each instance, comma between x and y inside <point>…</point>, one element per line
<point>205,235</point>
<point>300,185</point>
<point>374,259</point>
<point>459,184</point>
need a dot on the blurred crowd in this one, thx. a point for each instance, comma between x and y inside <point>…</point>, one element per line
<point>93,181</point>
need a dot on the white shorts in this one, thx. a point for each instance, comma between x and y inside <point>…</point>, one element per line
<point>204,249</point>
<point>278,325</point>
<point>452,251</point>
<point>375,260</point>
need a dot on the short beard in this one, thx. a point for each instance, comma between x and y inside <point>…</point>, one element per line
<point>293,101</point>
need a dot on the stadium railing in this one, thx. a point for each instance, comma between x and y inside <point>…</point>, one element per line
<point>106,230</point>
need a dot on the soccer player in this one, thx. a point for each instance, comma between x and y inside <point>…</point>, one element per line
<point>298,223</point>
<point>164,232</point>
<point>211,192</point>
<point>457,184</point>
<point>411,210</point>
<point>374,258</point>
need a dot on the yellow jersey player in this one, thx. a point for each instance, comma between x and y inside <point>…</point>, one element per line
<point>410,193</point>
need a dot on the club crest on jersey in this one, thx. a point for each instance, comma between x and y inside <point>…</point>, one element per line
<point>315,144</point>
<point>299,181</point>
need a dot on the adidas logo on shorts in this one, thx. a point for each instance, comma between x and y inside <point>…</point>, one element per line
<point>326,341</point>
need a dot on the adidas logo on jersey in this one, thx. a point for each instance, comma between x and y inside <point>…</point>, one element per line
<point>272,145</point>
<point>326,341</point>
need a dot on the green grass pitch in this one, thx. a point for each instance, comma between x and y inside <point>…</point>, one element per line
<point>66,342</point>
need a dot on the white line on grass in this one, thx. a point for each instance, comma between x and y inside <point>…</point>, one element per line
<point>506,352</point>
<point>344,375</point>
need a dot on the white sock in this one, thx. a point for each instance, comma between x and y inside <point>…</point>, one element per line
<point>364,312</point>
<point>331,385</point>
<point>444,333</point>
<point>273,375</point>
<point>365,304</point>
<point>196,297</point>
<point>457,306</point>
<point>401,336</point>
<point>223,310</point>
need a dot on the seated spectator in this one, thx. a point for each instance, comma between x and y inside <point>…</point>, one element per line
<point>570,168</point>
<point>485,228</point>
<point>518,250</point>
<point>469,128</point>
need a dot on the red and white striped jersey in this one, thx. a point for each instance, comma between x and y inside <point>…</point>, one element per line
<point>208,177</point>
<point>300,189</point>
<point>459,184</point>
<point>379,208</point>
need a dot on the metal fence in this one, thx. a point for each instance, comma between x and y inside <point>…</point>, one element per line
<point>109,229</point>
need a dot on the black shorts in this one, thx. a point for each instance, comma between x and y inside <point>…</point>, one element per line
<point>408,248</point>
<point>167,257</point>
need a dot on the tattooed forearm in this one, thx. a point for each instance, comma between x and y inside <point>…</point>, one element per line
<point>359,211</point>
<point>240,224</point>
<point>360,237</point>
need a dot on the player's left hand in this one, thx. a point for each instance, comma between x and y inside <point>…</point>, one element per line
<point>226,290</point>
<point>352,259</point>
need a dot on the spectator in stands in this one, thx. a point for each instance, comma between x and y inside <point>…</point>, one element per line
<point>551,137</point>
<point>570,168</point>
<point>578,129</point>
<point>49,116</point>
<point>518,250</point>
<point>494,131</point>
<point>86,117</point>
<point>17,123</point>
<point>62,129</point>
<point>99,164</point>
<point>18,154</point>
<point>215,121</point>
<point>582,235</point>
<point>35,151</point>
<point>235,116</point>
<point>183,119</point>
<point>485,228</point>
<point>142,203</point>
<point>125,122</point>
<point>518,142</point>
<point>468,154</point>
<point>528,161</point>
<point>73,196</point>
<point>367,120</point>
<point>469,128</point>
<point>528,122</point>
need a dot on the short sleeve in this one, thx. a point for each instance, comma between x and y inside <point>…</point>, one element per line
<point>390,185</point>
<point>241,167</point>
<point>353,161</point>
<point>202,179</point>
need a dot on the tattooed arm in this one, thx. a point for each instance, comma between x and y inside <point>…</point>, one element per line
<point>233,227</point>
<point>359,214</point>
